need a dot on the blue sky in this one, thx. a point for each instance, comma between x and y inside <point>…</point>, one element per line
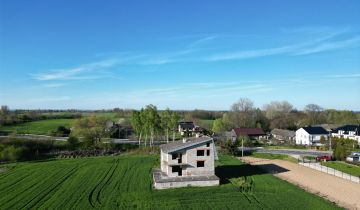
<point>179,54</point>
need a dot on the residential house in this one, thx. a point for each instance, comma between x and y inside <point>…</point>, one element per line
<point>283,136</point>
<point>186,127</point>
<point>188,162</point>
<point>311,135</point>
<point>348,132</point>
<point>252,133</point>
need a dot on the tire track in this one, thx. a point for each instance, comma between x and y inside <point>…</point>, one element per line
<point>107,181</point>
<point>93,190</point>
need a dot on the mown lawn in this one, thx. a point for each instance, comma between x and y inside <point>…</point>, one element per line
<point>41,127</point>
<point>125,182</point>
<point>274,156</point>
<point>344,167</point>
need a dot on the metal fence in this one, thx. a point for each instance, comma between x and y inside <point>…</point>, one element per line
<point>328,170</point>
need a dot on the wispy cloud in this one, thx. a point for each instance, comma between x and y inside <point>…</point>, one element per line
<point>345,75</point>
<point>54,85</point>
<point>298,49</point>
<point>335,45</point>
<point>73,73</point>
<point>201,41</point>
<point>316,45</point>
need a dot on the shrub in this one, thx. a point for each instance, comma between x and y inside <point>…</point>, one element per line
<point>11,153</point>
<point>73,143</point>
<point>61,131</point>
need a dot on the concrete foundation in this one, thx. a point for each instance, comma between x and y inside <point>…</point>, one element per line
<point>161,181</point>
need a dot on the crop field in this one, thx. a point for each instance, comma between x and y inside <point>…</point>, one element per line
<point>124,182</point>
<point>41,127</point>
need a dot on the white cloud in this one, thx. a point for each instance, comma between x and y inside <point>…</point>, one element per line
<point>73,73</point>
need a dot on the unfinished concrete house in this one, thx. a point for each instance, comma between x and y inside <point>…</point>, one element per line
<point>189,162</point>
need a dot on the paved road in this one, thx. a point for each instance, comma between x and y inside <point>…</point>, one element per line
<point>45,137</point>
<point>343,192</point>
<point>288,151</point>
<point>295,152</point>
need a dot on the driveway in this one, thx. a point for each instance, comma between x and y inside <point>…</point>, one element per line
<point>343,192</point>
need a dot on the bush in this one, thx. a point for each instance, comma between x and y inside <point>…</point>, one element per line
<point>73,143</point>
<point>61,131</point>
<point>11,153</point>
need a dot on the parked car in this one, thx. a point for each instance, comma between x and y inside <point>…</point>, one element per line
<point>354,157</point>
<point>323,158</point>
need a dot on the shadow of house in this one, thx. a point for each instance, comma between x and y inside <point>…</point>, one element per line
<point>227,172</point>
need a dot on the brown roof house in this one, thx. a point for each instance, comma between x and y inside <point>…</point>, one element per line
<point>188,162</point>
<point>252,133</point>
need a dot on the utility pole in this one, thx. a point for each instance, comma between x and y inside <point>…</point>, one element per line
<point>330,140</point>
<point>242,147</point>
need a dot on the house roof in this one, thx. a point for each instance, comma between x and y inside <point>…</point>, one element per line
<point>249,132</point>
<point>347,128</point>
<point>187,125</point>
<point>283,132</point>
<point>178,145</point>
<point>315,130</point>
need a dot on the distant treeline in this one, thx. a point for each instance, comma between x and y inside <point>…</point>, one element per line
<point>243,113</point>
<point>8,117</point>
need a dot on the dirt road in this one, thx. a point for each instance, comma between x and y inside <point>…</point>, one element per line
<point>335,189</point>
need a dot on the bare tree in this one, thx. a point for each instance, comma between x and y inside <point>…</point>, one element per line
<point>313,112</point>
<point>242,113</point>
<point>277,109</point>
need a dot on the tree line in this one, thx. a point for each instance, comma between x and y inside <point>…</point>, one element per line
<point>148,123</point>
<point>280,114</point>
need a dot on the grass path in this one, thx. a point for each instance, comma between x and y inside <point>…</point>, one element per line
<point>344,167</point>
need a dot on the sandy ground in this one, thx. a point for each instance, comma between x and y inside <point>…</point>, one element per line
<point>345,193</point>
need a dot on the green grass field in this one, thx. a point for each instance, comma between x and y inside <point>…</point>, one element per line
<point>207,123</point>
<point>344,167</point>
<point>125,182</point>
<point>41,127</point>
<point>274,156</point>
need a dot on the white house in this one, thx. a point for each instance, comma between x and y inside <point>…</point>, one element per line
<point>310,135</point>
<point>348,132</point>
<point>189,162</point>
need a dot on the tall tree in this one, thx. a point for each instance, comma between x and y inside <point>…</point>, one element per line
<point>137,124</point>
<point>174,123</point>
<point>242,113</point>
<point>92,129</point>
<point>313,112</point>
<point>278,112</point>
<point>219,126</point>
<point>166,122</point>
<point>152,121</point>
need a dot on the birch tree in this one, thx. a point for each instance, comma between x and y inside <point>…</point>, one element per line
<point>166,122</point>
<point>174,123</point>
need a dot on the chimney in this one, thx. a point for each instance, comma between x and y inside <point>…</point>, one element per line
<point>184,140</point>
